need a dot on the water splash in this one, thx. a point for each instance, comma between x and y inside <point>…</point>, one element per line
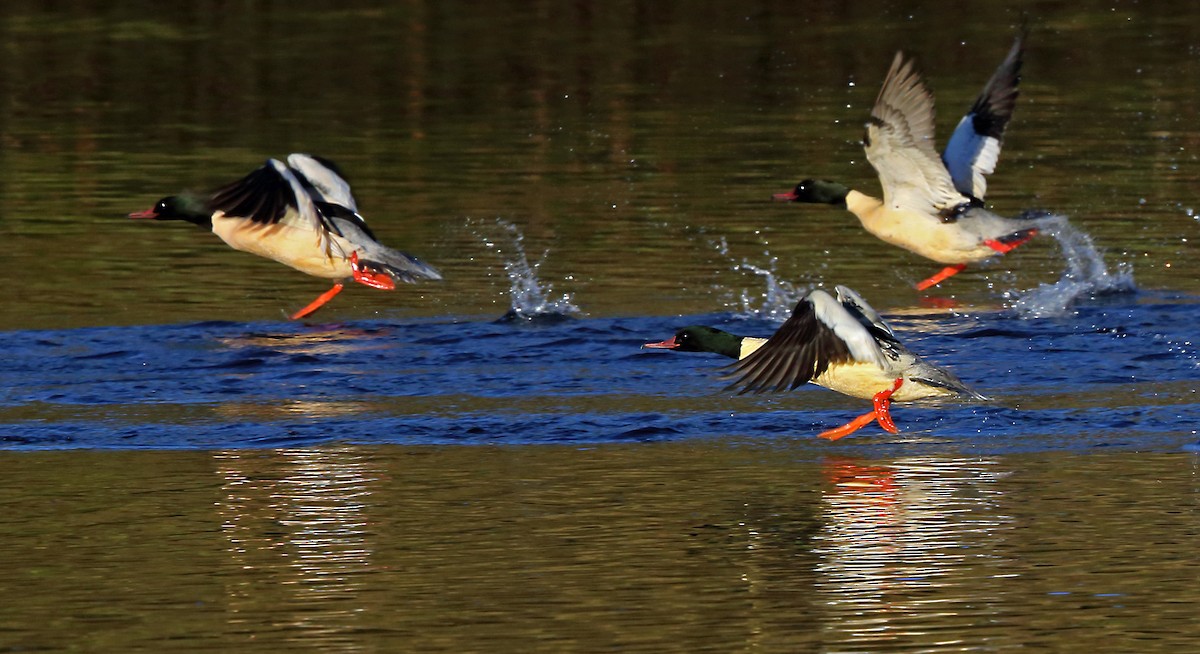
<point>529,299</point>
<point>777,298</point>
<point>1085,276</point>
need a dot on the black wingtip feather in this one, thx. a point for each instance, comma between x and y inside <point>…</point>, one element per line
<point>802,349</point>
<point>993,109</point>
<point>263,196</point>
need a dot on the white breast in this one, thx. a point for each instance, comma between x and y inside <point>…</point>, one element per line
<point>299,248</point>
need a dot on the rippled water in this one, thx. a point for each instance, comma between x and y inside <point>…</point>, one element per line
<point>703,545</point>
<point>1116,372</point>
<point>493,463</point>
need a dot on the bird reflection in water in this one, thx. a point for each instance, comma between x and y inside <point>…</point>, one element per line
<point>276,410</point>
<point>295,523</point>
<point>296,360</point>
<point>315,342</point>
<point>910,548</point>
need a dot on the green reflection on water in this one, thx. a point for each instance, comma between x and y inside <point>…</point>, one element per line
<point>626,140</point>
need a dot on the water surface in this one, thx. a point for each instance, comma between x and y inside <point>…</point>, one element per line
<point>411,471</point>
<point>703,545</point>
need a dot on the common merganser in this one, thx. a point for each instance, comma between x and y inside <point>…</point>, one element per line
<point>301,214</point>
<point>842,344</point>
<point>933,206</point>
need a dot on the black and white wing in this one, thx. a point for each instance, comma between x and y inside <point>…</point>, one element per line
<point>324,180</point>
<point>820,333</point>
<point>867,315</point>
<point>974,148</point>
<point>331,195</point>
<point>272,194</point>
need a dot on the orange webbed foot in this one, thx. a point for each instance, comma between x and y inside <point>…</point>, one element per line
<point>946,273</point>
<point>883,405</point>
<point>317,303</point>
<point>1005,248</point>
<point>848,428</point>
<point>369,277</point>
<point>881,413</point>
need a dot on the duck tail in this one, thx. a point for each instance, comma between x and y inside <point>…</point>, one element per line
<point>1018,237</point>
<point>971,394</point>
<point>1027,225</point>
<point>400,266</point>
<point>944,379</point>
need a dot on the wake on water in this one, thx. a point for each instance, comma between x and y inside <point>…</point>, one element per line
<point>529,299</point>
<point>1085,275</point>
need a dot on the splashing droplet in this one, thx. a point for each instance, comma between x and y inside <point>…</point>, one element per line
<point>776,299</point>
<point>530,300</point>
<point>1085,276</point>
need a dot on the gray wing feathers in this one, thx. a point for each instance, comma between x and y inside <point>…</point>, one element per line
<point>306,212</point>
<point>900,144</point>
<point>328,185</point>
<point>849,299</point>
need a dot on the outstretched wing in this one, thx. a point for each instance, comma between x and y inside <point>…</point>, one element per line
<point>863,312</point>
<point>270,195</point>
<point>323,179</point>
<point>330,194</point>
<point>974,148</point>
<point>899,144</point>
<point>819,333</point>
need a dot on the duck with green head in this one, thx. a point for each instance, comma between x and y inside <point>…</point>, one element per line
<point>933,206</point>
<point>841,344</point>
<point>301,214</point>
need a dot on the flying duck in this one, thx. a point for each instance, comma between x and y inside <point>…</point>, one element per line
<point>842,344</point>
<point>933,206</point>
<point>301,214</point>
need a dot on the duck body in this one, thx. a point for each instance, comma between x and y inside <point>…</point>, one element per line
<point>287,244</point>
<point>298,246</point>
<point>838,343</point>
<point>933,205</point>
<point>303,215</point>
<point>863,379</point>
<point>970,237</point>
